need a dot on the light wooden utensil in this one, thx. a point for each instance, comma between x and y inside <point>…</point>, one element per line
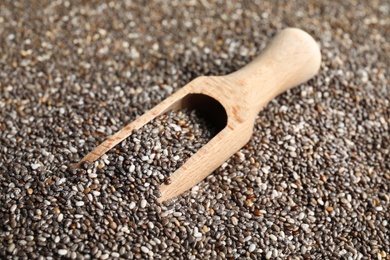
<point>232,102</point>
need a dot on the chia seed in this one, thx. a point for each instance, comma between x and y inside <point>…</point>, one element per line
<point>313,181</point>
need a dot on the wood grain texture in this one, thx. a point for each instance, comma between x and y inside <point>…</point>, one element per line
<point>292,58</point>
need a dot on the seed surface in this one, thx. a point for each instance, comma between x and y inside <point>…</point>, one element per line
<point>313,181</point>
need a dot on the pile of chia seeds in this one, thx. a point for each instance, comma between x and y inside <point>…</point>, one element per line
<point>313,181</point>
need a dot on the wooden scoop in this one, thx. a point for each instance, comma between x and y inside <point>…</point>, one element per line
<point>232,101</point>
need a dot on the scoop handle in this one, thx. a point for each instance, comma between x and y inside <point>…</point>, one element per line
<point>291,58</point>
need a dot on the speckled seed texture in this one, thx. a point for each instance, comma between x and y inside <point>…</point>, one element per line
<point>312,183</point>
